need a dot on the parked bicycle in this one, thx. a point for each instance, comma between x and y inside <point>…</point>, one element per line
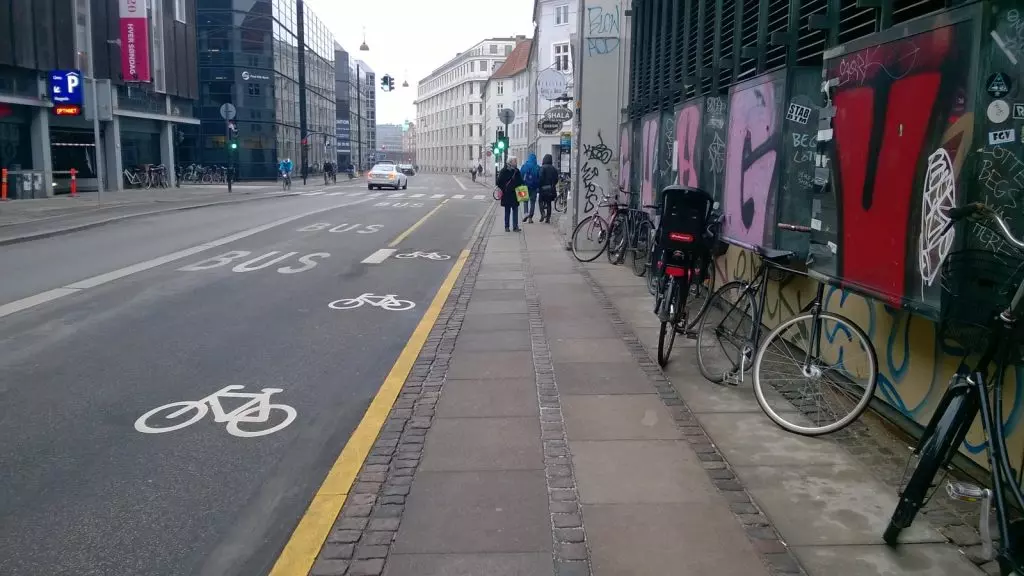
<point>680,260</point>
<point>631,231</point>
<point>983,293</point>
<point>590,237</point>
<point>561,202</point>
<point>815,348</point>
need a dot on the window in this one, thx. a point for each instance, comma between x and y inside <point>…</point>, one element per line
<point>254,89</point>
<point>472,65</point>
<point>180,7</point>
<point>561,15</point>
<point>494,48</point>
<point>471,87</point>
<point>561,57</point>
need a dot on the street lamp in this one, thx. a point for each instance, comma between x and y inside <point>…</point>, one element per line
<point>363,47</point>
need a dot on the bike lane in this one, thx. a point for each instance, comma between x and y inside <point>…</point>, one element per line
<point>86,493</point>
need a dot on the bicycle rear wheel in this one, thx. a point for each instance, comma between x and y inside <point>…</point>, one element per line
<point>671,298</point>
<point>617,238</point>
<point>700,295</point>
<point>562,202</point>
<point>590,238</point>
<point>725,332</point>
<point>829,379</point>
<point>642,253</point>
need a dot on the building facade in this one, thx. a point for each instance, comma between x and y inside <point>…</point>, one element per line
<point>249,57</point>
<point>449,109</point>
<point>140,123</point>
<point>551,61</point>
<point>509,87</point>
<point>356,110</point>
<point>389,142</point>
<point>409,143</point>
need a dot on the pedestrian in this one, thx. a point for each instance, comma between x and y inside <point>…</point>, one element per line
<point>472,172</point>
<point>508,180</point>
<point>479,169</point>
<point>531,177</point>
<point>548,187</point>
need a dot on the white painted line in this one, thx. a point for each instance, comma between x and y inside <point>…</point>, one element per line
<point>317,193</point>
<point>336,193</point>
<point>416,195</point>
<point>436,196</point>
<point>458,196</point>
<point>74,287</point>
<point>396,195</point>
<point>375,195</point>
<point>478,197</point>
<point>379,256</point>
<point>355,193</point>
<point>459,182</point>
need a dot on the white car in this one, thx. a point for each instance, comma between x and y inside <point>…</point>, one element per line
<point>387,175</point>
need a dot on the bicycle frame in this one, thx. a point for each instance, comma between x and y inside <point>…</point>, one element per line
<point>220,415</point>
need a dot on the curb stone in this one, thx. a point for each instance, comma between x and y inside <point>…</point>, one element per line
<point>360,541</point>
<point>571,551</point>
<point>774,553</point>
<point>115,219</point>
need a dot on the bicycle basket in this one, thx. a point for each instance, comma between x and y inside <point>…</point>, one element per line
<point>976,286</point>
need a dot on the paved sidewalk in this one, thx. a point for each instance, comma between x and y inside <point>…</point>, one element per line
<point>22,220</point>
<point>536,436</point>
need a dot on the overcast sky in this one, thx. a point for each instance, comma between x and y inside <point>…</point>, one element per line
<point>410,38</point>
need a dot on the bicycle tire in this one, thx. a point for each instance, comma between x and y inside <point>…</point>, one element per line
<point>201,409</point>
<point>575,236</point>
<point>617,238</point>
<point>935,451</point>
<point>562,202</point>
<point>866,396</point>
<point>234,430</point>
<point>642,253</point>
<point>703,331</point>
<point>667,330</point>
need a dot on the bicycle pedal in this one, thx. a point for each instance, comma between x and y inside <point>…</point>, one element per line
<point>966,492</point>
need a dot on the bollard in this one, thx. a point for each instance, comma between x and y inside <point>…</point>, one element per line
<point>3,185</point>
<point>74,183</point>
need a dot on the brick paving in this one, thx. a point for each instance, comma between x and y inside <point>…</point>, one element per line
<point>536,435</point>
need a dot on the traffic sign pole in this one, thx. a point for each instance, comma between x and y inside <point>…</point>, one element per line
<point>227,112</point>
<point>98,154</point>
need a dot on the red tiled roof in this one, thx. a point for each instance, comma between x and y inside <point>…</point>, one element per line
<point>516,61</point>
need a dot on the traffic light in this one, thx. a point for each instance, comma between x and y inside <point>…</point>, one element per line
<point>384,84</point>
<point>232,136</point>
<point>391,84</point>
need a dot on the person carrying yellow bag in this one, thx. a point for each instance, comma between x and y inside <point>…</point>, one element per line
<point>510,181</point>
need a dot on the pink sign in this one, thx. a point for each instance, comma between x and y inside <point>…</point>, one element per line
<point>134,41</point>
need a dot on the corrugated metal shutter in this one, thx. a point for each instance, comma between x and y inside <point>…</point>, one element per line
<point>748,66</point>
<point>728,40</point>
<point>855,22</point>
<point>694,48</point>
<point>910,10</point>
<point>810,43</point>
<point>707,54</point>
<point>778,21</point>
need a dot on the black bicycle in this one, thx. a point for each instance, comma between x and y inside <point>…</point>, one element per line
<point>992,283</point>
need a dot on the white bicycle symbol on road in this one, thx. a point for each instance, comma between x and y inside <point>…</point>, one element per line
<point>427,255</point>
<point>257,410</point>
<point>387,302</point>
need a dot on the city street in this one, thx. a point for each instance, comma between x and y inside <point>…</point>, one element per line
<point>103,326</point>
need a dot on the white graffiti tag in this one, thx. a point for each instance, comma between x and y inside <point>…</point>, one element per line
<point>939,194</point>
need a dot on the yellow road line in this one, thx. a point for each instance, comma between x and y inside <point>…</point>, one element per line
<point>302,548</point>
<point>418,223</point>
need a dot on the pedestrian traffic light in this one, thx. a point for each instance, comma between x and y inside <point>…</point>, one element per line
<point>232,135</point>
<point>502,144</point>
<point>391,84</point>
<point>384,83</point>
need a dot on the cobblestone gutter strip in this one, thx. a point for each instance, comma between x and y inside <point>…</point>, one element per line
<point>765,539</point>
<point>569,539</point>
<point>360,541</point>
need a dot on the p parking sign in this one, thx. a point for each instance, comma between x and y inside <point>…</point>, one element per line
<point>66,92</point>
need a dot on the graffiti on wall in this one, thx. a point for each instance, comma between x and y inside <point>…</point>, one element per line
<point>595,160</point>
<point>751,162</point>
<point>712,147</point>
<point>901,132</point>
<point>687,130</point>
<point>625,151</point>
<point>603,29</point>
<point>649,159</point>
<point>667,169</point>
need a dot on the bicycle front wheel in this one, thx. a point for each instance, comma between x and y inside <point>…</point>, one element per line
<point>700,295</point>
<point>561,203</point>
<point>725,333</point>
<point>590,238</point>
<point>617,238</point>
<point>822,364</point>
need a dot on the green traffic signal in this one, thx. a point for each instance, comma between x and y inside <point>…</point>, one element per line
<point>501,145</point>
<point>234,145</point>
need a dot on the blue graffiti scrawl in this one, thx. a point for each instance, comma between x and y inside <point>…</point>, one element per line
<point>602,30</point>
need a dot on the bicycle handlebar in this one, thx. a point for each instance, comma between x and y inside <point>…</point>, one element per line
<point>795,228</point>
<point>983,212</point>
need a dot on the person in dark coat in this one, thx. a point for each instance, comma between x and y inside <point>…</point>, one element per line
<point>508,180</point>
<point>548,187</point>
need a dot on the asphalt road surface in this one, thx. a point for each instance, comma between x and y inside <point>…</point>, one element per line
<point>99,327</point>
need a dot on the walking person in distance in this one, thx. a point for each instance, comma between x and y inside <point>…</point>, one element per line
<point>531,177</point>
<point>548,187</point>
<point>508,180</point>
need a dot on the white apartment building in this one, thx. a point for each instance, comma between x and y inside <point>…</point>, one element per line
<point>555,21</point>
<point>509,87</point>
<point>449,112</point>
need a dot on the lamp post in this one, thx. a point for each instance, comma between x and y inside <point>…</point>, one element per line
<point>94,105</point>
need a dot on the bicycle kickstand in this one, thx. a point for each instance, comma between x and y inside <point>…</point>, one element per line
<point>966,492</point>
